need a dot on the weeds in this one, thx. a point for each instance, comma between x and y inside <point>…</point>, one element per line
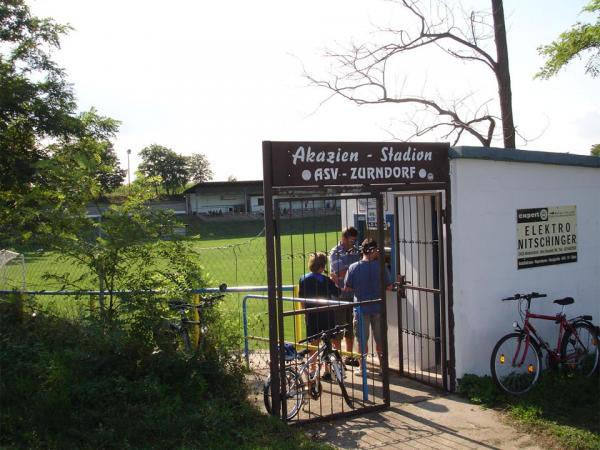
<point>562,407</point>
<point>76,385</point>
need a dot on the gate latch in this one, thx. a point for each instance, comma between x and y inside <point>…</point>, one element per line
<point>402,281</point>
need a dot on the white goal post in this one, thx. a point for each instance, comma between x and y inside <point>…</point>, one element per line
<point>12,271</point>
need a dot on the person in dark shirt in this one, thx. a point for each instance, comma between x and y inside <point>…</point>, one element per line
<point>318,286</point>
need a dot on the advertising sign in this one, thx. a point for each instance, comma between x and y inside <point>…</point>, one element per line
<point>358,163</point>
<point>546,236</point>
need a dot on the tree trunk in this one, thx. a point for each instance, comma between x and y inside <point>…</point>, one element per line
<point>503,75</point>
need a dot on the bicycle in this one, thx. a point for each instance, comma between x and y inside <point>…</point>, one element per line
<point>299,381</point>
<point>516,359</point>
<point>180,327</point>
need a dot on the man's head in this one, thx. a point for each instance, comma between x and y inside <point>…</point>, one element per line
<point>369,249</point>
<point>349,236</point>
<point>317,262</point>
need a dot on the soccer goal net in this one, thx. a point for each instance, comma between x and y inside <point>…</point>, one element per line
<point>12,271</point>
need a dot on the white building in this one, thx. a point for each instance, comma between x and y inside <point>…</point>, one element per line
<point>225,197</point>
<point>230,197</point>
<point>507,221</point>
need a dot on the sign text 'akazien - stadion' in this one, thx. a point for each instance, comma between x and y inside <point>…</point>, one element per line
<point>356,163</point>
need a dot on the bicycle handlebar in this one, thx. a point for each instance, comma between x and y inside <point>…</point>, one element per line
<point>326,334</point>
<point>528,297</point>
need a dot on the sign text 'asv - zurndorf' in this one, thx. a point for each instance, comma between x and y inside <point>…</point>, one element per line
<point>355,163</point>
<point>546,236</point>
<point>386,154</point>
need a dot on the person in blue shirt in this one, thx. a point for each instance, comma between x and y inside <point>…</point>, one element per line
<point>342,255</point>
<point>318,286</point>
<point>363,279</point>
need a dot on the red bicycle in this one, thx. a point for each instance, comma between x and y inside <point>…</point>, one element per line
<point>517,357</point>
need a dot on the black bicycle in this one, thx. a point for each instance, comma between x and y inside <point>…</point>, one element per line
<point>300,380</point>
<point>181,327</point>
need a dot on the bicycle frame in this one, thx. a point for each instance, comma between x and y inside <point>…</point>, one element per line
<point>322,350</point>
<point>528,329</point>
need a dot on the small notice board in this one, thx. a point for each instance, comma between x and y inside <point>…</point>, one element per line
<point>546,236</point>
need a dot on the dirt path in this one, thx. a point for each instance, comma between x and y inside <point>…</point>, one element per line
<point>422,417</point>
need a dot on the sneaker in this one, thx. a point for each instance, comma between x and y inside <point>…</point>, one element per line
<point>358,372</point>
<point>351,361</point>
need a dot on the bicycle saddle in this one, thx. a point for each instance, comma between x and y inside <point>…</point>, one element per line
<point>564,301</point>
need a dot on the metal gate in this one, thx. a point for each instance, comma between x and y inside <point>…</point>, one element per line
<point>422,308</point>
<point>302,180</point>
<point>305,226</point>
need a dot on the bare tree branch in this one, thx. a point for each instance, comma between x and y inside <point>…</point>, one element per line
<point>364,72</point>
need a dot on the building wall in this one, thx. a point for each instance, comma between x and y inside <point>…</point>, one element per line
<point>485,197</point>
<point>257,204</point>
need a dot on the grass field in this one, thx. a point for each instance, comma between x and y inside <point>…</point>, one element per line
<point>231,252</point>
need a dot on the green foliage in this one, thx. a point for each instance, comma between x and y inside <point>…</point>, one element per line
<point>595,150</point>
<point>47,149</point>
<point>73,384</point>
<point>562,407</point>
<point>159,161</point>
<point>480,390</point>
<point>36,100</point>
<point>199,168</point>
<point>117,251</point>
<point>110,175</point>
<point>173,169</point>
<point>582,37</point>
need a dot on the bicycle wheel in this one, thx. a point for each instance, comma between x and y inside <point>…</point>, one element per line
<point>516,363</point>
<point>579,349</point>
<point>337,368</point>
<point>294,390</point>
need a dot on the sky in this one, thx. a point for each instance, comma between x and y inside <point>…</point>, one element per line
<point>219,78</point>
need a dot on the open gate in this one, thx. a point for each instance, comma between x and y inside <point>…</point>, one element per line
<point>311,192</point>
<point>422,300</point>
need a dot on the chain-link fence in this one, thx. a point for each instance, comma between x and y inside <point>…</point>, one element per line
<point>231,250</point>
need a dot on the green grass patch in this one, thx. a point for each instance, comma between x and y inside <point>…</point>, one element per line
<point>562,408</point>
<point>233,252</point>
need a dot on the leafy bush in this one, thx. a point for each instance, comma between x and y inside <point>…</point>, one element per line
<point>76,384</point>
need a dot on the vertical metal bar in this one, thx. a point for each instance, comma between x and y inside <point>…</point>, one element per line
<point>419,199</point>
<point>412,261</point>
<point>447,245</point>
<point>270,254</point>
<point>425,341</point>
<point>280,324</point>
<point>363,359</point>
<point>245,318</point>
<point>383,359</point>
<point>438,205</point>
<point>400,289</point>
<point>406,229</point>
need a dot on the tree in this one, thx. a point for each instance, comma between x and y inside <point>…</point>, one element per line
<point>36,101</point>
<point>110,176</point>
<point>231,178</point>
<point>595,150</point>
<point>49,155</point>
<point>159,161</point>
<point>367,73</point>
<point>581,38</point>
<point>199,168</point>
